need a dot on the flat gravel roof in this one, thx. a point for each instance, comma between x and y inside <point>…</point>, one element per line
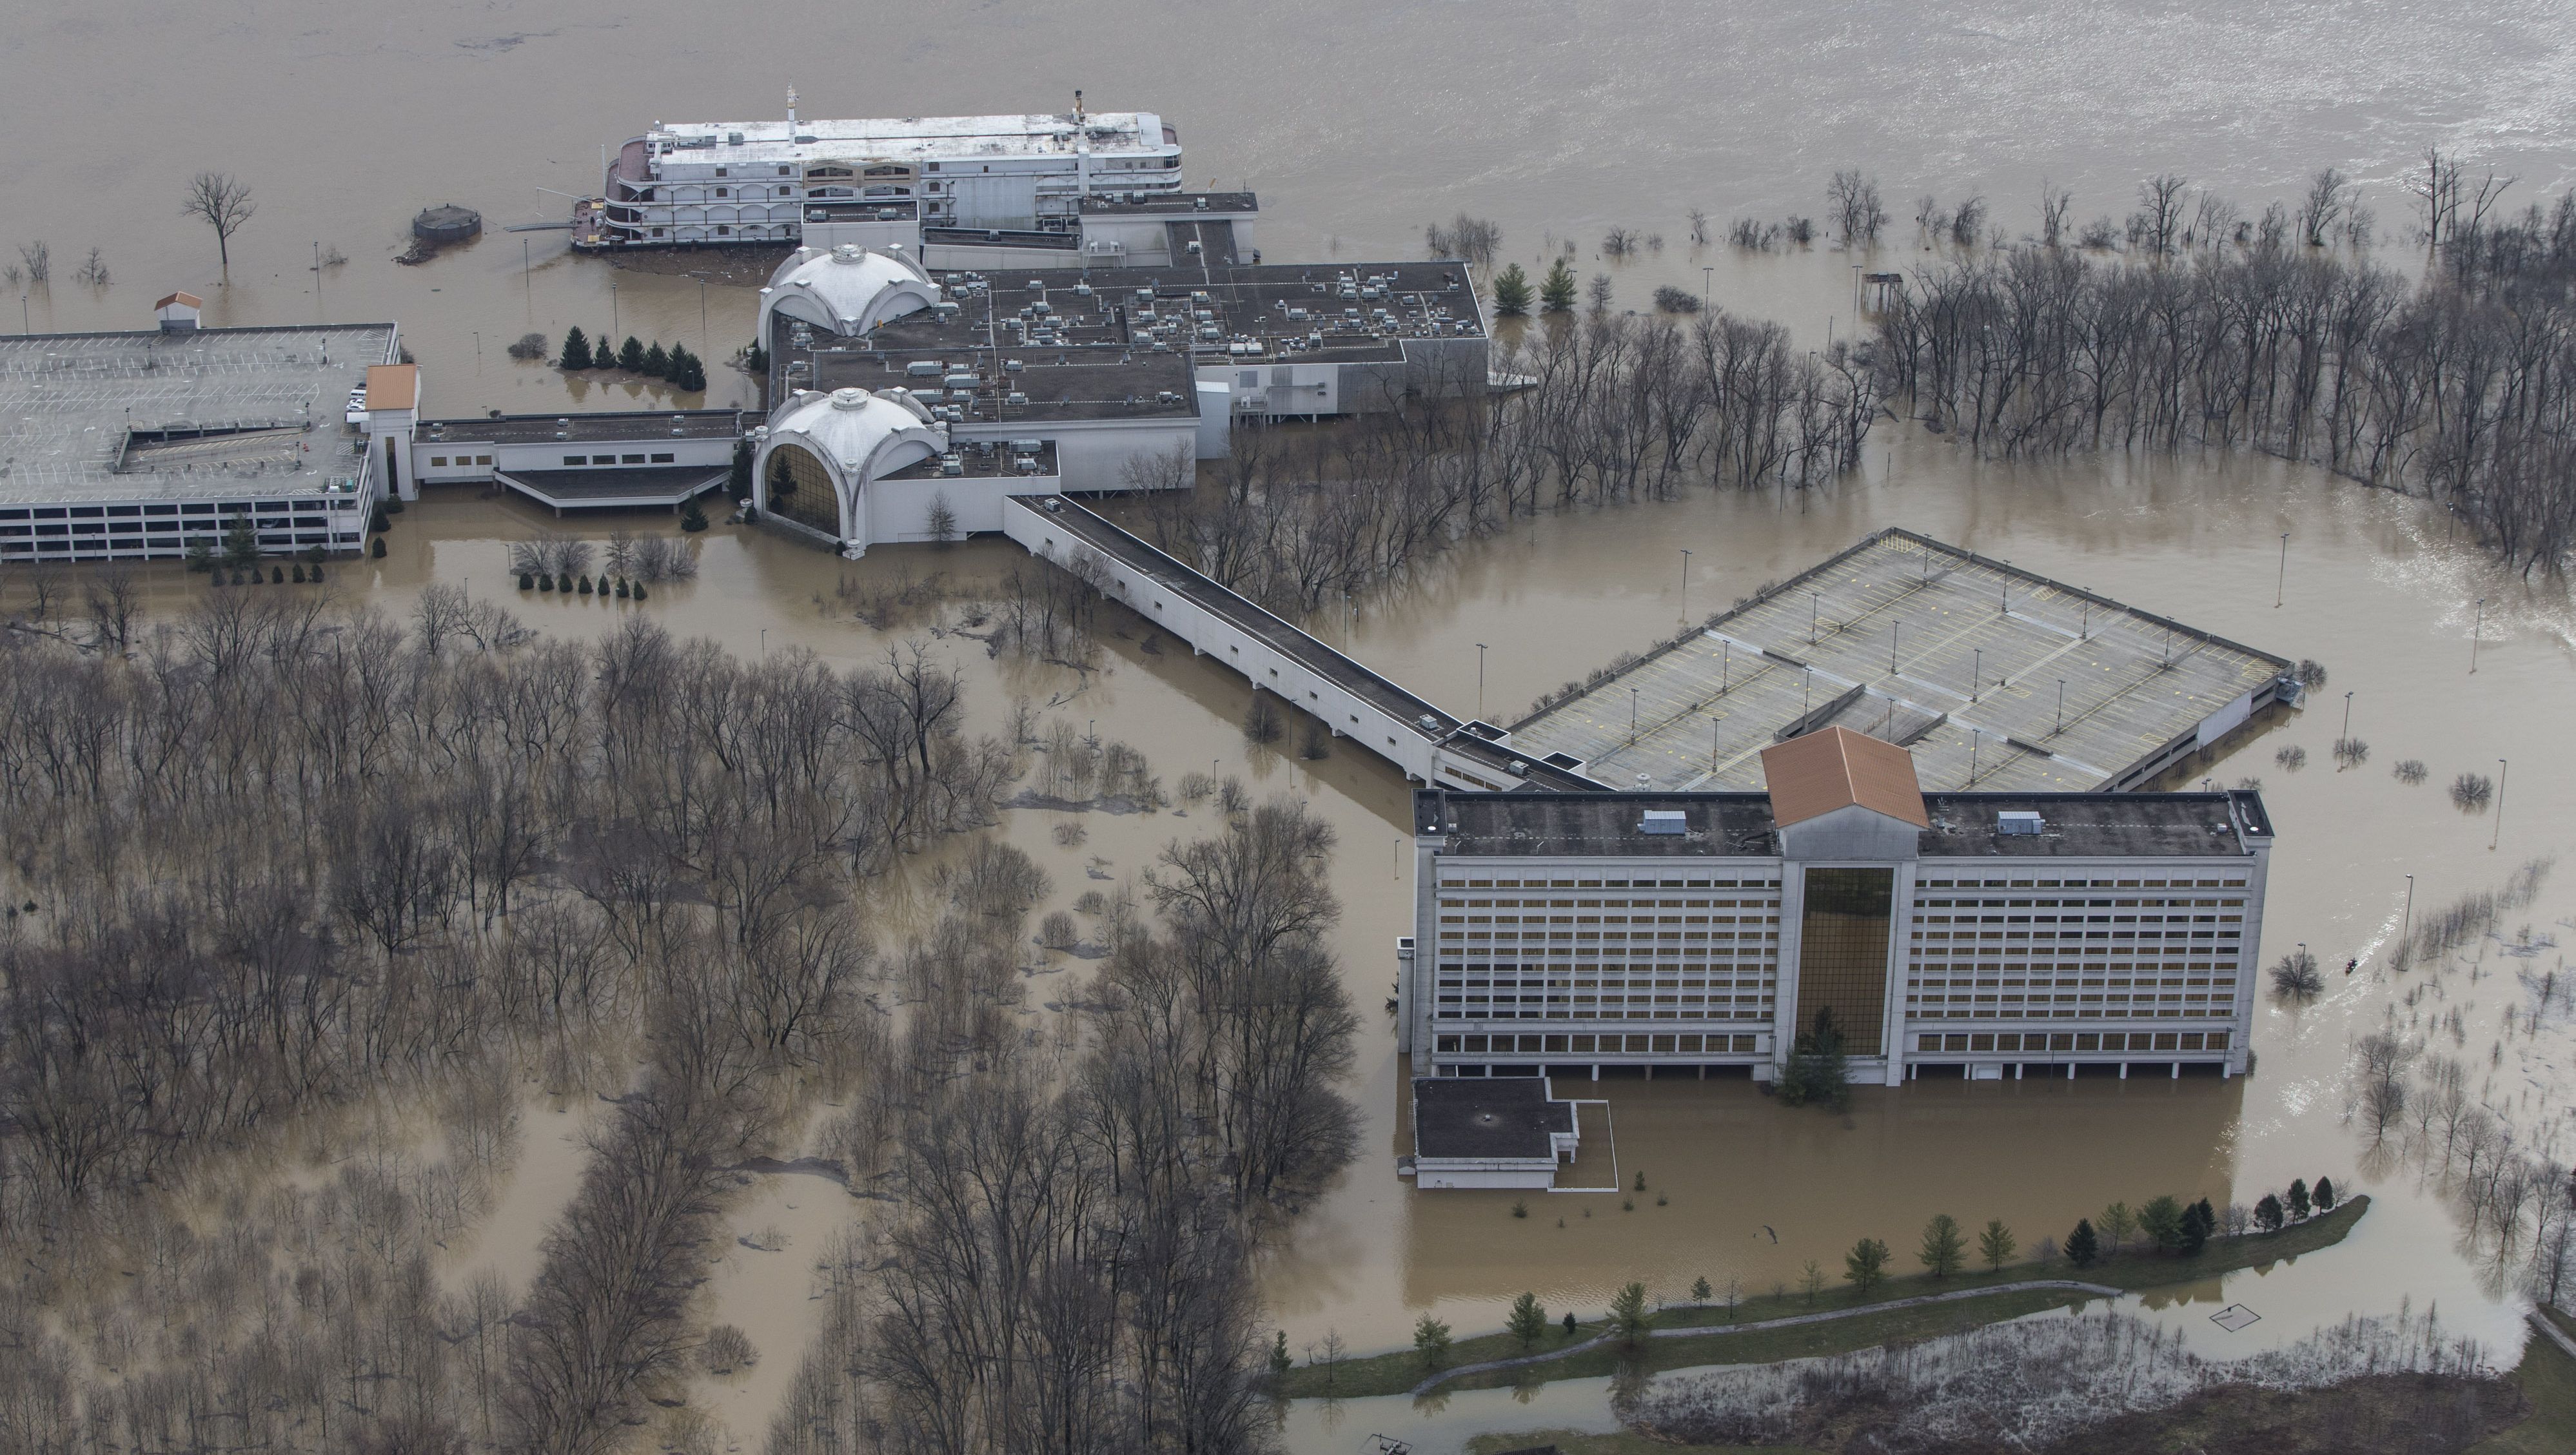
<point>1607,823</point>
<point>1487,1117</point>
<point>209,414</point>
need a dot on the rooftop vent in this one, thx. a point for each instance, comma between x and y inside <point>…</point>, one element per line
<point>2016,821</point>
<point>1662,821</point>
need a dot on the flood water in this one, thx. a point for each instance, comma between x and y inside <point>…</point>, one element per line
<point>1358,123</point>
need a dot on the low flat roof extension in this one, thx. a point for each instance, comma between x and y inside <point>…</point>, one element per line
<point>1503,1118</point>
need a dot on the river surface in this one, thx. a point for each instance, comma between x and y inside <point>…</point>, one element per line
<point>1358,123</point>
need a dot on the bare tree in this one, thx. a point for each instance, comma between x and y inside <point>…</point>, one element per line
<point>2328,196</point>
<point>1858,214</point>
<point>223,202</point>
<point>2054,202</point>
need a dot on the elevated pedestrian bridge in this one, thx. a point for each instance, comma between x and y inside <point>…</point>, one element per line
<point>1429,745</point>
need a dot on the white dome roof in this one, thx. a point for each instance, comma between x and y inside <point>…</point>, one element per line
<point>850,289</point>
<point>864,435</point>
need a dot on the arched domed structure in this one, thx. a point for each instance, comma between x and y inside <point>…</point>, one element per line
<point>848,290</point>
<point>820,452</point>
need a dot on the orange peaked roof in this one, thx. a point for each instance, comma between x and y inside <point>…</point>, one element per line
<point>1813,775</point>
<point>191,299</point>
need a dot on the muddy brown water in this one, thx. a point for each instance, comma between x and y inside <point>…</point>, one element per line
<point>2373,589</point>
<point>1358,124</point>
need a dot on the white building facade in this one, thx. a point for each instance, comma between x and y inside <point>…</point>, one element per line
<point>1977,934</point>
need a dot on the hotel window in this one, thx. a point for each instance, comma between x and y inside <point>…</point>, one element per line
<point>576,459</point>
<point>438,462</point>
<point>664,458</point>
<point>482,459</point>
<point>631,459</point>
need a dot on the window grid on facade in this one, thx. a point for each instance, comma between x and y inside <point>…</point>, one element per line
<point>2052,950</point>
<point>1688,952</point>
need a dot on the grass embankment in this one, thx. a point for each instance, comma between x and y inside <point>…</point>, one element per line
<point>1568,1442</point>
<point>2547,1379</point>
<point>1868,1322</point>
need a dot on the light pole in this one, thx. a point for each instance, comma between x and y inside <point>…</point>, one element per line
<point>2346,735</point>
<point>2498,835</point>
<point>1893,628</point>
<point>614,327</point>
<point>2408,922</point>
<point>2281,582</point>
<point>2478,633</point>
<point>704,341</point>
<point>2061,707</point>
<point>1686,555</point>
<point>1976,740</point>
<point>1976,673</point>
<point>1815,604</point>
<point>1480,681</point>
<point>1632,714</point>
<point>1806,695</point>
<point>1725,660</point>
<point>1707,281</point>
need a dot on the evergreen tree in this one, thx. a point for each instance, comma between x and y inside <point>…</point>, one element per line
<point>2083,1246</point>
<point>378,549</point>
<point>1556,291</point>
<point>738,483</point>
<point>1700,1290</point>
<point>2195,1229</point>
<point>1628,1314</point>
<point>201,555</point>
<point>1431,1341</point>
<point>605,355</point>
<point>2299,1203</point>
<point>2117,1223</point>
<point>656,363</point>
<point>756,359</point>
<point>1818,1071</point>
<point>1865,1266</point>
<point>1528,1320</point>
<point>2161,1221</point>
<point>2267,1214</point>
<point>1569,1323</point>
<point>2325,1194</point>
<point>1996,1245</point>
<point>241,542</point>
<point>688,371</point>
<point>1944,1246</point>
<point>1511,292</point>
<point>692,519</point>
<point>630,355</point>
<point>1280,1363</point>
<point>576,349</point>
<point>1811,1280</point>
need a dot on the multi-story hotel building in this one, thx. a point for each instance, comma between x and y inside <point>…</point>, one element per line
<point>1984,934</point>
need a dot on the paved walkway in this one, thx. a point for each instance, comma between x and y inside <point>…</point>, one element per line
<point>1697,1331</point>
<point>2556,1334</point>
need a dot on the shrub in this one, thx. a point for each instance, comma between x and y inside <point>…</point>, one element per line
<point>530,346</point>
<point>377,549</point>
<point>527,582</point>
<point>727,1349</point>
<point>1669,299</point>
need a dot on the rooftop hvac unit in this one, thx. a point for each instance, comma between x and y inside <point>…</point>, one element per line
<point>1663,821</point>
<point>2017,821</point>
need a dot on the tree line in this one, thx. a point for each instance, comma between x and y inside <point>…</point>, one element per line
<point>1070,1268</point>
<point>2219,331</point>
<point>1600,410</point>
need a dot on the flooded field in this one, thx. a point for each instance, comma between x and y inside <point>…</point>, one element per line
<point>1367,124</point>
<point>1741,1190</point>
